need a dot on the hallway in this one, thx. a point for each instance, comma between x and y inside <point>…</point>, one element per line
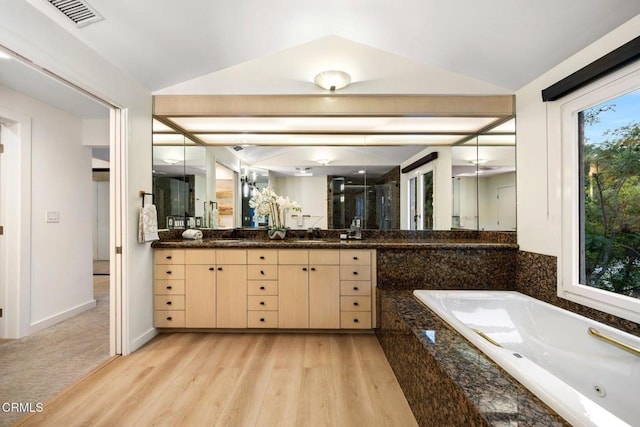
<point>37,367</point>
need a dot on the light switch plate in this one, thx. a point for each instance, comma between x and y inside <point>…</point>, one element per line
<point>53,216</point>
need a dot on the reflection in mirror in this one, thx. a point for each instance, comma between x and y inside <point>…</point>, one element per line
<point>461,182</point>
<point>484,184</point>
<point>194,186</point>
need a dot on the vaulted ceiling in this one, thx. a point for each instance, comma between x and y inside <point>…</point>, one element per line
<point>504,43</point>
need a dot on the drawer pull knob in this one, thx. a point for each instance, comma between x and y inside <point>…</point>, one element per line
<point>262,272</point>
<point>169,287</point>
<point>169,272</point>
<point>355,273</point>
<point>169,256</point>
<point>304,268</point>
<point>169,318</point>
<point>211,268</point>
<point>313,269</point>
<point>355,320</point>
<point>262,288</point>
<point>356,303</point>
<point>262,319</point>
<point>261,302</point>
<point>261,257</point>
<point>355,288</point>
<point>219,268</point>
<point>168,302</point>
<point>355,258</point>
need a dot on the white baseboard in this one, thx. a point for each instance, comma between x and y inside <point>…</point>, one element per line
<point>142,339</point>
<point>64,315</point>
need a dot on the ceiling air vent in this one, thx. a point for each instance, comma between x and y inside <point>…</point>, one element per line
<point>78,11</point>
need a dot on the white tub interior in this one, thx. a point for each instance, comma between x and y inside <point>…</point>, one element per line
<point>587,381</point>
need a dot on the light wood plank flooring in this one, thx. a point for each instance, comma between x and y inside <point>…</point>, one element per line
<point>187,379</point>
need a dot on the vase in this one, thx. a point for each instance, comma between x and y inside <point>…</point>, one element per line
<point>277,233</point>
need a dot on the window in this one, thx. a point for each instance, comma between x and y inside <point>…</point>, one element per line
<point>601,195</point>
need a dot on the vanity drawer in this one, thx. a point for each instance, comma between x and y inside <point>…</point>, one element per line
<point>355,272</point>
<point>200,256</point>
<point>259,302</point>
<point>231,256</point>
<point>168,302</point>
<point>262,256</point>
<point>355,320</point>
<point>355,257</point>
<point>168,318</point>
<point>351,303</point>
<point>355,287</point>
<point>263,287</point>
<point>324,257</point>
<point>168,272</point>
<point>265,272</point>
<point>168,256</point>
<point>168,287</point>
<point>262,319</point>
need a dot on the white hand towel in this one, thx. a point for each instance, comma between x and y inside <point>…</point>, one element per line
<point>148,224</point>
<point>192,234</point>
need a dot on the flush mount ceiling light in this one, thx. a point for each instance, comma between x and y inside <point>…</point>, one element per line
<point>332,80</point>
<point>324,162</point>
<point>171,161</point>
<point>4,55</point>
<point>478,161</point>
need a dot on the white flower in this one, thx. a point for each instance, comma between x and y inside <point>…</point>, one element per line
<point>268,203</point>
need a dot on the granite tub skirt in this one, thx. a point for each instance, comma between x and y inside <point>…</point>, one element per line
<point>446,380</point>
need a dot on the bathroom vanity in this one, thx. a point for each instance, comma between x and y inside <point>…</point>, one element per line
<point>266,285</point>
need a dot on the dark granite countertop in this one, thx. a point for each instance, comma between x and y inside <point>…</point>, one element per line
<point>498,397</point>
<point>329,244</point>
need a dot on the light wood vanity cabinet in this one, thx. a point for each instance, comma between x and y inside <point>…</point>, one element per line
<point>169,288</point>
<point>357,275</point>
<point>231,277</point>
<point>264,288</point>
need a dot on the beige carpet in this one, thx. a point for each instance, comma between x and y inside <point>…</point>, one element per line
<point>35,368</point>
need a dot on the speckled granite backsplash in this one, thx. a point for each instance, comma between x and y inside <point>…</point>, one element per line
<point>536,276</point>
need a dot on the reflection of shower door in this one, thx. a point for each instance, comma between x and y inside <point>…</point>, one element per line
<point>414,214</point>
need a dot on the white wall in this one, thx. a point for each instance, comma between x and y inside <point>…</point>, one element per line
<point>488,197</point>
<point>95,132</point>
<point>539,148</point>
<point>61,261</point>
<point>28,32</point>
<point>310,192</point>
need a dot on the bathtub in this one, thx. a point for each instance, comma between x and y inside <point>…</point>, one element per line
<point>586,380</point>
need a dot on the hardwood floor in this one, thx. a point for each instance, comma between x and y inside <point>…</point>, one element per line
<point>186,379</point>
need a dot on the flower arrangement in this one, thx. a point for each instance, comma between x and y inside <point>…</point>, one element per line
<point>268,203</point>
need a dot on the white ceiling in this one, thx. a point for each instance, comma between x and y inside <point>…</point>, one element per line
<point>269,46</point>
<point>506,43</point>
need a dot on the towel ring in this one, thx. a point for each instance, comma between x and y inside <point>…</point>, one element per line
<point>143,194</point>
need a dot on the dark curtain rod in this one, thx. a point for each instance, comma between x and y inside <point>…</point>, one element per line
<point>614,60</point>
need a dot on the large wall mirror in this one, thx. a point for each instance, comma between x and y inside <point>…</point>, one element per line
<point>409,173</point>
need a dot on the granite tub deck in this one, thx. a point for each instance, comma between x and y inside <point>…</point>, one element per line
<point>446,380</point>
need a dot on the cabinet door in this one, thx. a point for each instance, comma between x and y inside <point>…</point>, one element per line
<point>324,296</point>
<point>293,296</point>
<point>200,296</point>
<point>231,281</point>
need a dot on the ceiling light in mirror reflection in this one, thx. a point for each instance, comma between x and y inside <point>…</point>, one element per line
<point>332,124</point>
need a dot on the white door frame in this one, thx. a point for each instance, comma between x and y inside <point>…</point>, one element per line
<point>15,265</point>
<point>117,262</point>
<point>418,175</point>
<point>15,275</point>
